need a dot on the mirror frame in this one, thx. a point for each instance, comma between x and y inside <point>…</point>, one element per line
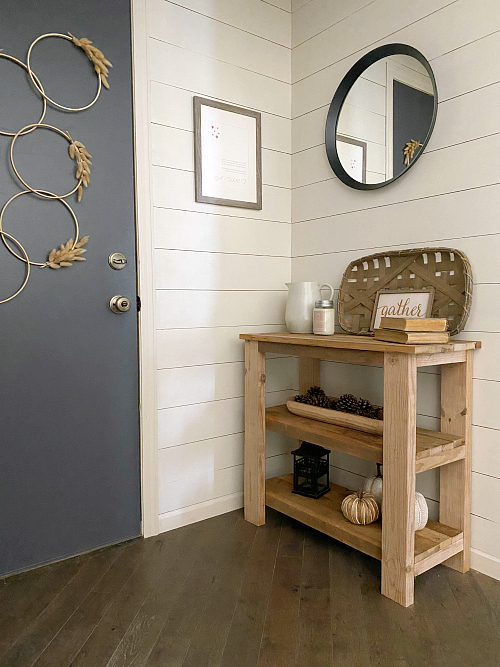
<point>340,96</point>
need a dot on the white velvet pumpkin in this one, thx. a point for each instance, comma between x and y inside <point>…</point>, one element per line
<point>421,511</point>
<point>360,508</point>
<point>373,485</point>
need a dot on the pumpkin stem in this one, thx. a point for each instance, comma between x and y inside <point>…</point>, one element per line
<point>379,473</point>
<point>360,493</point>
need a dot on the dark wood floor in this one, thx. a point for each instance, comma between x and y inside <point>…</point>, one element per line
<point>224,593</point>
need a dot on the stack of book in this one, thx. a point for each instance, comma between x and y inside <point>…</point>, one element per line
<point>412,330</point>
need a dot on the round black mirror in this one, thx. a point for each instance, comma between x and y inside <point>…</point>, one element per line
<point>381,117</point>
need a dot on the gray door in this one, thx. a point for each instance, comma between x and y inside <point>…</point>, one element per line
<point>69,424</point>
<point>412,116</point>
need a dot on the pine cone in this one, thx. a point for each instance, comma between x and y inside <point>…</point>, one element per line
<point>365,408</point>
<point>301,398</point>
<point>347,403</point>
<point>315,392</point>
<point>323,402</point>
<point>380,414</point>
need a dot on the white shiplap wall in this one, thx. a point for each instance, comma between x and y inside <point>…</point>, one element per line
<point>451,197</point>
<point>219,270</point>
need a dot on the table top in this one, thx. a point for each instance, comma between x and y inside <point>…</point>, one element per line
<point>363,343</point>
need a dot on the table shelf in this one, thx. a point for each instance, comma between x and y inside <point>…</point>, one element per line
<point>434,448</point>
<point>434,544</point>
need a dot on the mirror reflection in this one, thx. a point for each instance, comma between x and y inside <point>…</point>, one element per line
<point>385,119</point>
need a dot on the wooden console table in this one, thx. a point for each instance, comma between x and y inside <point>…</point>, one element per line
<point>403,450</point>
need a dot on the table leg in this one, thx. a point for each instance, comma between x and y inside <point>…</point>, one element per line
<point>255,434</point>
<point>455,478</point>
<point>309,373</point>
<point>398,511</point>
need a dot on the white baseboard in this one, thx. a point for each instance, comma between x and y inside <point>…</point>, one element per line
<point>484,563</point>
<point>199,512</point>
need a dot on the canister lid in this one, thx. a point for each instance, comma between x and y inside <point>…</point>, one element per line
<point>324,303</point>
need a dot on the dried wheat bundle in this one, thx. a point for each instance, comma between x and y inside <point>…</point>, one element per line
<point>66,254</point>
<point>80,154</point>
<point>409,150</point>
<point>97,57</point>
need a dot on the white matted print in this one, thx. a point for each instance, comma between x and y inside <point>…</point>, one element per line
<point>352,156</point>
<point>227,155</point>
<point>395,303</point>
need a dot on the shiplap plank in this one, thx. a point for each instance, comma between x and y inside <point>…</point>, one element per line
<point>466,118</point>
<point>309,130</point>
<point>485,496</point>
<point>171,23</point>
<point>254,16</point>
<point>185,269</point>
<point>482,316</point>
<point>485,406</point>
<point>320,15</point>
<point>486,359</point>
<point>435,173</point>
<point>285,5</point>
<point>297,4</point>
<point>215,309</point>
<point>185,230</point>
<point>201,421</point>
<point>370,24</point>
<point>481,251</point>
<point>486,451</point>
<point>197,347</point>
<point>174,189</point>
<point>193,71</point>
<point>375,226</point>
<point>215,382</point>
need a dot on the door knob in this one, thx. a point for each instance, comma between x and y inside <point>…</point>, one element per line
<point>120,304</point>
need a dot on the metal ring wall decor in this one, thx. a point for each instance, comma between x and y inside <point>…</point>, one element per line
<point>19,62</point>
<point>27,192</point>
<point>77,151</point>
<point>72,250</point>
<point>27,261</point>
<point>97,58</point>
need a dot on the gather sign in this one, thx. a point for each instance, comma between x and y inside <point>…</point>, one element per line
<point>396,303</point>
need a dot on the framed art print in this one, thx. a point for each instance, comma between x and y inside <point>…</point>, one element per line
<point>352,156</point>
<point>228,154</point>
<point>396,303</point>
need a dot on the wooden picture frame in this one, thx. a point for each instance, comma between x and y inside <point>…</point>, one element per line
<point>361,145</point>
<point>227,154</point>
<point>406,309</point>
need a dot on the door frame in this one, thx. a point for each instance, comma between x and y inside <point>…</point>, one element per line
<point>145,272</point>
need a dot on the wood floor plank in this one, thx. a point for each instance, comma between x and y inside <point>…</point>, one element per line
<point>45,627</point>
<point>315,646</point>
<point>280,635</point>
<point>243,642</point>
<point>143,632</point>
<point>74,633</point>
<point>456,642</point>
<point>349,631</point>
<point>24,596</point>
<point>110,630</point>
<point>209,638</point>
<point>180,624</point>
<point>490,588</point>
<point>481,620</point>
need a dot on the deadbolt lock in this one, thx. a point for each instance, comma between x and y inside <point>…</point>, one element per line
<point>117,261</point>
<point>120,304</point>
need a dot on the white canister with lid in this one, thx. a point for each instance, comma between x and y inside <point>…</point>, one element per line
<point>324,315</point>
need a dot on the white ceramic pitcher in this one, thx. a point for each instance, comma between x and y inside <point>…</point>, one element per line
<point>300,306</point>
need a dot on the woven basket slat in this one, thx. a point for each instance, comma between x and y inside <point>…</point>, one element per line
<point>446,269</point>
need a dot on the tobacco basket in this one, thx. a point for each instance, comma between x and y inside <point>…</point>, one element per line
<point>445,269</point>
